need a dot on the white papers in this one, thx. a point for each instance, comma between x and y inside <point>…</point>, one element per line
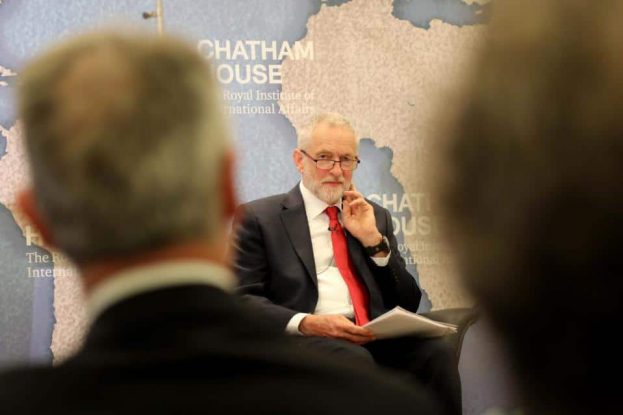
<point>400,322</point>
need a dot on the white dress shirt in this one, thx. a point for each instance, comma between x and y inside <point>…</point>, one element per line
<point>333,294</point>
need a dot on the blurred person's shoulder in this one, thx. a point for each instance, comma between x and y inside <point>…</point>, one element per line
<point>266,204</point>
<point>339,387</point>
<point>280,381</point>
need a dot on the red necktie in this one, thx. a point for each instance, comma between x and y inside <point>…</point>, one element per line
<point>358,293</point>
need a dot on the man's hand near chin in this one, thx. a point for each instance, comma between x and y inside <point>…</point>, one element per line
<point>335,326</point>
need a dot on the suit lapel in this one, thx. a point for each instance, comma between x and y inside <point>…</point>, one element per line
<point>295,223</point>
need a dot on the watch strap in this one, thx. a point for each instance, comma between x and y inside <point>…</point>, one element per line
<point>381,246</point>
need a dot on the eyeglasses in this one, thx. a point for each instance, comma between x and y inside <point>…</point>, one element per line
<point>325,164</point>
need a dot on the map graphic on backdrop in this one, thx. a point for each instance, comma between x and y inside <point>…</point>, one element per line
<point>381,63</point>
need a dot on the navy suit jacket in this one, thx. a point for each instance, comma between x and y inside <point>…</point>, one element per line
<point>274,260</point>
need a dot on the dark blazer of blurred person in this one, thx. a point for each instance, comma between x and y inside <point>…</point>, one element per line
<point>533,195</point>
<point>132,178</point>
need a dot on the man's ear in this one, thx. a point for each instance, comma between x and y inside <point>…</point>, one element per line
<point>228,192</point>
<point>28,206</point>
<point>297,156</point>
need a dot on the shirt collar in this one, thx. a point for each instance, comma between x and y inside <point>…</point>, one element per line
<point>313,205</point>
<point>137,280</point>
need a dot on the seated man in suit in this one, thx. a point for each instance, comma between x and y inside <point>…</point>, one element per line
<point>131,177</point>
<point>322,261</point>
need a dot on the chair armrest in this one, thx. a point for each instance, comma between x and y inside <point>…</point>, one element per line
<point>460,317</point>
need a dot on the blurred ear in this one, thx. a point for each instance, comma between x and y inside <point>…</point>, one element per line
<point>297,156</point>
<point>228,192</point>
<point>28,206</point>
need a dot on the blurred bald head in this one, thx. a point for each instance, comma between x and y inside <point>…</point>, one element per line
<point>126,142</point>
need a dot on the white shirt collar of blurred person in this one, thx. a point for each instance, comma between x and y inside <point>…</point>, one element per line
<point>166,274</point>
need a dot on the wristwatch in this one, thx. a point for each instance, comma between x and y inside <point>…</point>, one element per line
<point>382,246</point>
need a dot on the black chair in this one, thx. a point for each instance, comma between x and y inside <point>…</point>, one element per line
<point>463,318</point>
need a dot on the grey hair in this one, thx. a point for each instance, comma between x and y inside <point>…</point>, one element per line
<point>126,140</point>
<point>332,118</point>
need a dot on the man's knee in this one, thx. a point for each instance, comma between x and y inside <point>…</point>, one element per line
<point>442,350</point>
<point>437,354</point>
<point>339,349</point>
<point>415,354</point>
<point>354,351</point>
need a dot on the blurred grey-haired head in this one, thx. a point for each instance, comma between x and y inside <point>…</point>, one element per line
<point>126,141</point>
